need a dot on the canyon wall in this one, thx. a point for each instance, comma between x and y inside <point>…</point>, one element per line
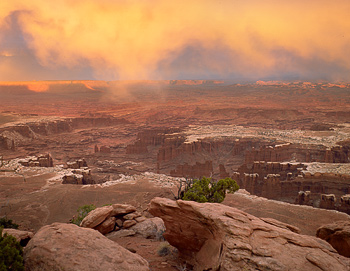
<point>11,136</point>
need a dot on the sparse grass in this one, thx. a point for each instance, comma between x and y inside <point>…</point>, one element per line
<point>82,213</point>
<point>164,249</point>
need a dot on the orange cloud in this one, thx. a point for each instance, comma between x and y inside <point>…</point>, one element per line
<point>129,39</point>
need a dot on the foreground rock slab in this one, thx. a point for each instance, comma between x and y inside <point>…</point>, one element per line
<point>217,237</point>
<point>338,235</point>
<point>68,247</point>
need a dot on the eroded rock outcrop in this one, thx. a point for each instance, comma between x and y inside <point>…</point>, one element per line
<point>43,160</point>
<point>338,235</point>
<point>78,176</point>
<point>282,181</point>
<point>80,163</point>
<point>345,204</point>
<point>68,247</point>
<point>217,237</point>
<point>119,220</point>
<point>328,201</point>
<point>303,198</point>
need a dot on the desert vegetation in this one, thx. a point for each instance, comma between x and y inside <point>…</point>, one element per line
<point>11,252</point>
<point>205,189</point>
<point>82,212</point>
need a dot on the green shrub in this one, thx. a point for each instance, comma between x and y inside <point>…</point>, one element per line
<point>82,213</point>
<point>207,190</point>
<point>11,253</point>
<point>7,223</point>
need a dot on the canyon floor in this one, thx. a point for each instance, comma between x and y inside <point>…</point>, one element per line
<point>139,139</point>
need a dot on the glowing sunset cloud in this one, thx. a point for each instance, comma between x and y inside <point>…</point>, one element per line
<point>159,39</point>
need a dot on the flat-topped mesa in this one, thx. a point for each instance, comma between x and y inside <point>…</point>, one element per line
<point>43,160</point>
<point>177,145</point>
<point>298,152</point>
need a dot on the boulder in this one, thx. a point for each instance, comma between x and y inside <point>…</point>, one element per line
<point>213,236</point>
<point>96,217</point>
<point>68,247</point>
<point>338,235</point>
<point>132,215</point>
<point>122,209</point>
<point>140,219</point>
<point>128,223</point>
<point>150,228</point>
<point>106,226</point>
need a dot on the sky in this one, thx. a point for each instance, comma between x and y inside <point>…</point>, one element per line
<point>182,39</point>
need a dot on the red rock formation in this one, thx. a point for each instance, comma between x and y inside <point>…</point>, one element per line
<point>146,138</point>
<point>81,163</point>
<point>62,246</point>
<point>214,236</point>
<point>328,201</point>
<point>345,204</point>
<point>120,217</point>
<point>338,235</point>
<point>281,181</point>
<point>40,161</point>
<point>303,198</point>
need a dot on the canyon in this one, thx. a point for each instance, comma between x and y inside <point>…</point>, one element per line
<point>64,144</point>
